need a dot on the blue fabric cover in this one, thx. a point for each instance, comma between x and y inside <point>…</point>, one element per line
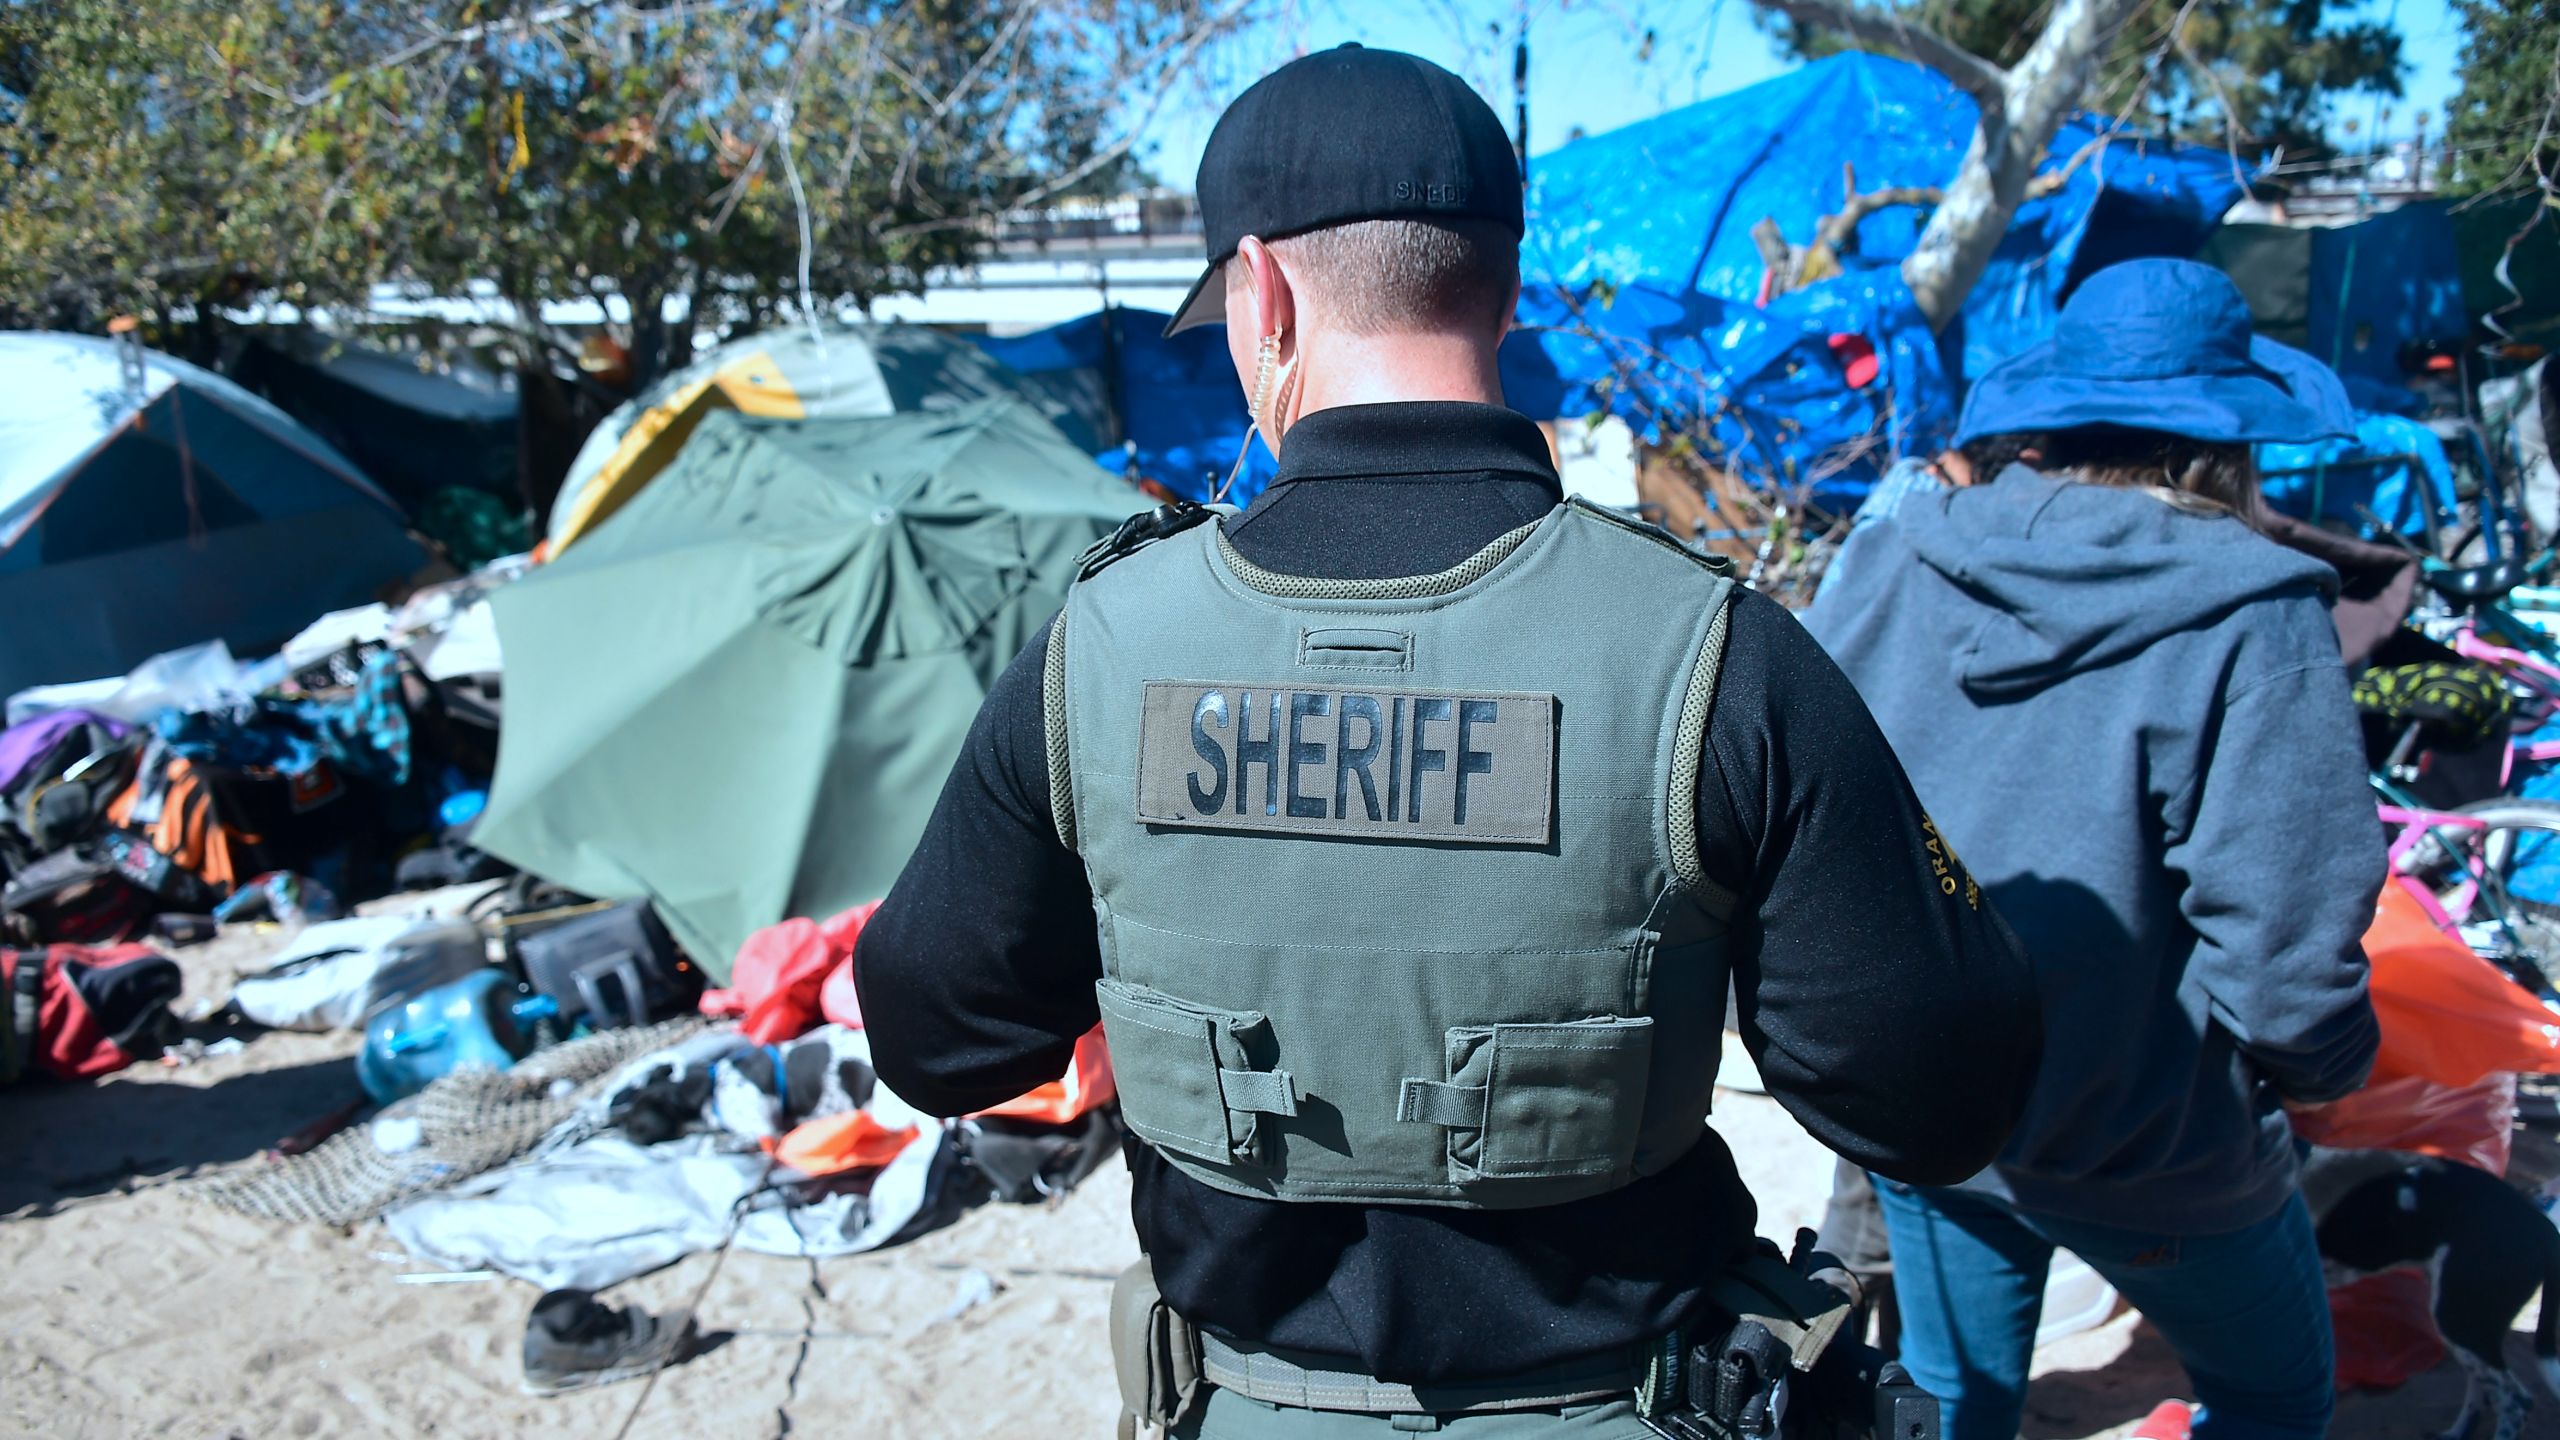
<point>1670,201</point>
<point>1662,211</point>
<point>2397,279</point>
<point>1180,409</point>
<point>2388,472</point>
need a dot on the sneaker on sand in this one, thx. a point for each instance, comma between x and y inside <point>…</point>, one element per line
<point>2168,1420</point>
<point>571,1341</point>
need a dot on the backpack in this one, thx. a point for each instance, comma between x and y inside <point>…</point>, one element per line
<point>61,796</point>
<point>75,1013</point>
<point>83,895</point>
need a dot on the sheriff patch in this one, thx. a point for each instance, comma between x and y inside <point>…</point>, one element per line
<point>1440,765</point>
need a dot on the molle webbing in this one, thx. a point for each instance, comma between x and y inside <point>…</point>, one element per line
<point>1270,1377</point>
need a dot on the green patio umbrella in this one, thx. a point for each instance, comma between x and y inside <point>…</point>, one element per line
<point>739,696</point>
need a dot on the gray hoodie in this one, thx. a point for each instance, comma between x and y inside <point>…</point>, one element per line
<point>2132,723</point>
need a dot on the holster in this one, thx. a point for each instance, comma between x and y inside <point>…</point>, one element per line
<point>1154,1352</point>
<point>1782,1366</point>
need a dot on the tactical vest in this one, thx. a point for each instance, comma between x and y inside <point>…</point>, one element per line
<point>1398,881</point>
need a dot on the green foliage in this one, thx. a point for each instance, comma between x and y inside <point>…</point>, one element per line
<point>167,157</point>
<point>2504,128</point>
<point>2257,73</point>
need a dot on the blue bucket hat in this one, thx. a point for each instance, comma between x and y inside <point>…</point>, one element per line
<point>2161,345</point>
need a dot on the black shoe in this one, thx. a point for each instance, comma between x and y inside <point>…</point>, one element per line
<point>572,1341</point>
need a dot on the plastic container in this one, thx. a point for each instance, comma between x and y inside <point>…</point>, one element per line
<point>2075,1299</point>
<point>480,1019</point>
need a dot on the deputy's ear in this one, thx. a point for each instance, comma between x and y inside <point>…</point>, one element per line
<point>1273,305</point>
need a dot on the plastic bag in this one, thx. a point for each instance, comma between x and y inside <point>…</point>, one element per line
<point>780,971</point>
<point>338,975</point>
<point>198,677</point>
<point>2386,1329</point>
<point>1087,1083</point>
<point>2447,1015</point>
<point>2385,1324</point>
<point>2472,1123</point>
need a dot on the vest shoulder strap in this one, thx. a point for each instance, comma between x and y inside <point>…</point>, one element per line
<point>1053,719</point>
<point>1689,758</point>
<point>1689,743</point>
<point>1718,565</point>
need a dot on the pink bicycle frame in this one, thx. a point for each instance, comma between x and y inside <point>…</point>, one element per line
<point>2468,644</point>
<point>2414,827</point>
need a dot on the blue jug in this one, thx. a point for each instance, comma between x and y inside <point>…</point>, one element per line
<point>480,1019</point>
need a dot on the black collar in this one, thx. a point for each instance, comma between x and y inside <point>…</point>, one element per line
<point>1415,437</point>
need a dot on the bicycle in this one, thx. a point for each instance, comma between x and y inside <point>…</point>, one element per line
<point>2459,865</point>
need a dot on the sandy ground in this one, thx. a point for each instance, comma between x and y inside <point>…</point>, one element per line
<point>134,1311</point>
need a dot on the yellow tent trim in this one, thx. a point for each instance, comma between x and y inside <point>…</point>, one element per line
<point>752,384</point>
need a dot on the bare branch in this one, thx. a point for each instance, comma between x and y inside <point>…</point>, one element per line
<point>1972,74</point>
<point>2000,163</point>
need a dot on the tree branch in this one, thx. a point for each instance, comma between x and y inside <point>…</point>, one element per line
<point>1977,77</point>
<point>2000,163</point>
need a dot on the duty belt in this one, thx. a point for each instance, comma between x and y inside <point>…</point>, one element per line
<point>1274,1379</point>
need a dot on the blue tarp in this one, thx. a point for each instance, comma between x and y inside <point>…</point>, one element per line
<point>1641,281</point>
<point>1797,391</point>
<point>2385,474</point>
<point>1670,202</point>
<point>1179,410</point>
<point>2392,281</point>
<point>1662,211</point>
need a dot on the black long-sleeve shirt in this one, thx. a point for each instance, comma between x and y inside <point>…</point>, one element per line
<point>1889,1012</point>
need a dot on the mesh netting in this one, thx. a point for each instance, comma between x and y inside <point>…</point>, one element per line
<point>1405,587</point>
<point>470,1121</point>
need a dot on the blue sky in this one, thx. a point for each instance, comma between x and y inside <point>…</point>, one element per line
<point>1590,69</point>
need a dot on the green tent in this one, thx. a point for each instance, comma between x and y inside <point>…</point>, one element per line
<point>739,696</point>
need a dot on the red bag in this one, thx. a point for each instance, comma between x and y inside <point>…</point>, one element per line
<point>780,971</point>
<point>2473,1123</point>
<point>2453,1032</point>
<point>2386,1329</point>
<point>2447,1014</point>
<point>75,1013</point>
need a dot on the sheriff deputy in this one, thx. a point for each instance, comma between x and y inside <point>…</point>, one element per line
<point>1403,833</point>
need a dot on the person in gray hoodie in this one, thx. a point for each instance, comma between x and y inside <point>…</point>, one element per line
<point>2125,708</point>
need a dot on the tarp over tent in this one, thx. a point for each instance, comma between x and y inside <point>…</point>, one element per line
<point>414,430</point>
<point>739,697</point>
<point>791,373</point>
<point>142,513</point>
<point>2354,296</point>
<point>1640,265</point>
<point>1175,413</point>
<point>1669,202</point>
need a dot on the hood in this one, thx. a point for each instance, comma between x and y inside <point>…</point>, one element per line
<point>2077,577</point>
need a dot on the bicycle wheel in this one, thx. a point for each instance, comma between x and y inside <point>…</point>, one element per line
<point>2515,922</point>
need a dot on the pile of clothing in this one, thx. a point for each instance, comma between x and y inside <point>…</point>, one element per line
<point>170,790</point>
<point>773,1134</point>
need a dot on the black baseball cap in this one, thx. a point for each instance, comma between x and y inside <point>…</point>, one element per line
<point>1343,135</point>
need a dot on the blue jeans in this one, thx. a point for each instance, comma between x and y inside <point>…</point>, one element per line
<point>2247,1312</point>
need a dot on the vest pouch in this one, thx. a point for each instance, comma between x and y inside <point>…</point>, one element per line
<point>1189,1075</point>
<point>1532,1102</point>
